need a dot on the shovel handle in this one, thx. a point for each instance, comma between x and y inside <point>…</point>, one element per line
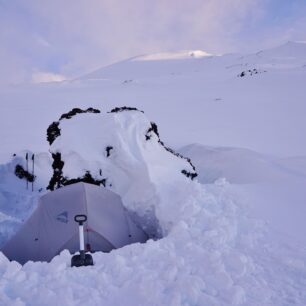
<point>80,219</point>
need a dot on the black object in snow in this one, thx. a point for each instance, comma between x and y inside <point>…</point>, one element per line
<point>33,160</point>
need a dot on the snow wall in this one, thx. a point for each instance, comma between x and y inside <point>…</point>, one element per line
<point>120,150</point>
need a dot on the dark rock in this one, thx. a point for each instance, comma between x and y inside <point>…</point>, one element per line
<point>250,72</point>
<point>24,174</point>
<point>190,175</point>
<point>76,111</point>
<point>58,180</point>
<point>124,108</point>
<point>87,178</point>
<point>108,150</point>
<point>53,132</point>
<point>57,165</point>
<point>153,128</point>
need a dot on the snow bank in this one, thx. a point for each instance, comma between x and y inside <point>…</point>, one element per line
<point>242,166</point>
<point>213,255</point>
<point>17,201</point>
<point>194,265</point>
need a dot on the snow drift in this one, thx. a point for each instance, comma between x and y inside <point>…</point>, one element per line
<point>214,254</point>
<point>122,151</point>
<point>242,166</point>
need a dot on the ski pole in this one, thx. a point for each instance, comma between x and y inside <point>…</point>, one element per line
<point>33,171</point>
<point>27,165</point>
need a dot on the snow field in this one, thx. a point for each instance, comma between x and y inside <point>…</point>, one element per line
<point>221,244</point>
<point>195,264</point>
<point>215,253</point>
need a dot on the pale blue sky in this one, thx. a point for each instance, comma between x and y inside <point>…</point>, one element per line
<point>73,37</point>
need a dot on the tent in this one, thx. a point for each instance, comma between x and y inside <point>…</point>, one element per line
<point>51,228</point>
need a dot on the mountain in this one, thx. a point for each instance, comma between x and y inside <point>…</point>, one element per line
<point>289,55</point>
<point>150,66</point>
<point>231,100</point>
<point>291,51</point>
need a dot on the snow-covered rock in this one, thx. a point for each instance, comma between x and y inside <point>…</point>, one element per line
<point>121,150</point>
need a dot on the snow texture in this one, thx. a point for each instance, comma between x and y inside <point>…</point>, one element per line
<point>214,254</point>
<point>234,237</point>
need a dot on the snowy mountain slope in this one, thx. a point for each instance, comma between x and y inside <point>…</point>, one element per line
<point>206,98</point>
<point>151,66</point>
<point>290,55</point>
<point>242,166</point>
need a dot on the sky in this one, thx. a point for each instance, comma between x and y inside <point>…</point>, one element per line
<point>58,39</point>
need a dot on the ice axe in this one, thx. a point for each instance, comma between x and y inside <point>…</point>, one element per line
<point>81,259</point>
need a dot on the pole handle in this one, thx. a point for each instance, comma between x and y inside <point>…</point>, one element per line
<point>80,219</point>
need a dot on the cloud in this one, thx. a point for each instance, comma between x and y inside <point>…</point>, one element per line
<point>45,77</point>
<point>73,37</point>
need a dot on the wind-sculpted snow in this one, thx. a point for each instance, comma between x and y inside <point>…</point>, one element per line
<point>114,150</point>
<point>54,131</point>
<point>242,166</point>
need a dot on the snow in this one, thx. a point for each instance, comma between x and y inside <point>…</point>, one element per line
<point>263,112</point>
<point>242,166</point>
<point>215,254</point>
<point>45,77</point>
<point>140,170</point>
<point>172,55</point>
<point>233,236</point>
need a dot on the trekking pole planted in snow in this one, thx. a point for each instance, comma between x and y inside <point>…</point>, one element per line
<point>27,163</point>
<point>33,171</point>
<point>82,259</point>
